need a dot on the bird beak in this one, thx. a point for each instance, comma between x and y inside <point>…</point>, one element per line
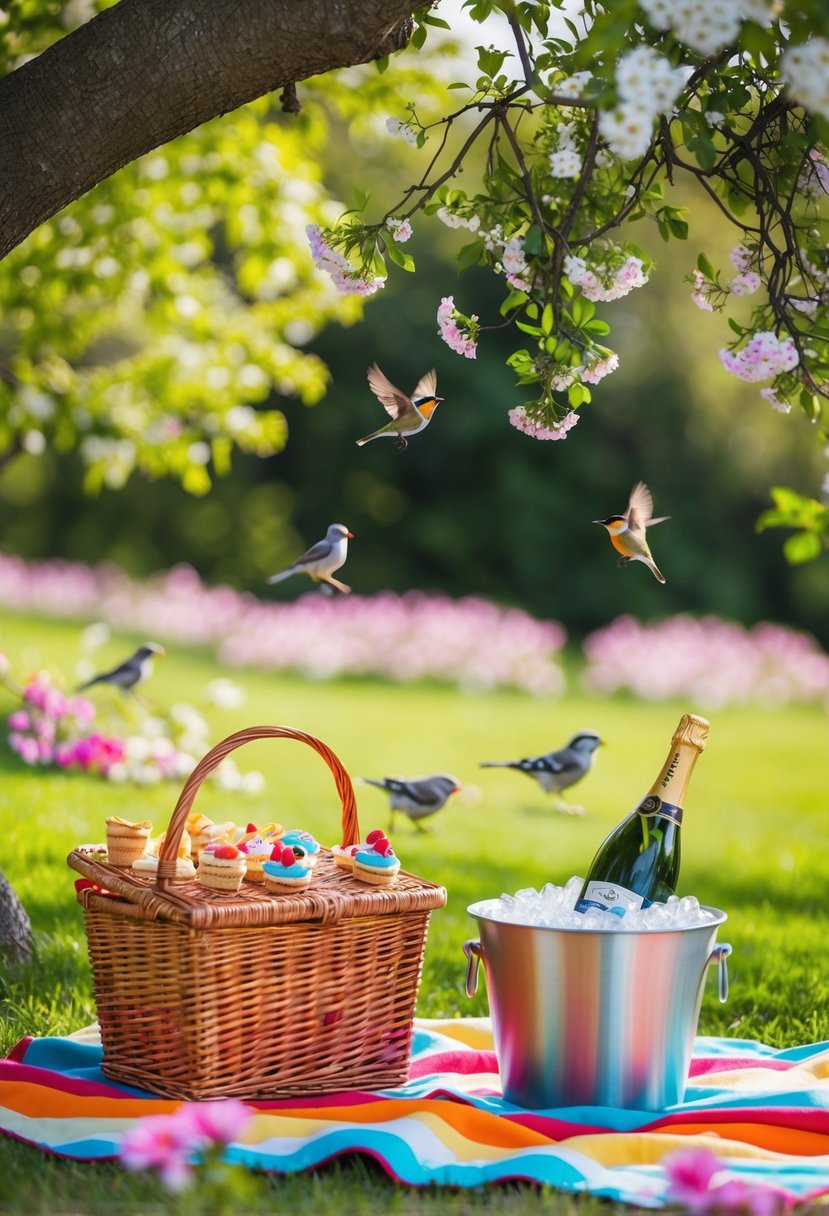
<point>603,522</point>
<point>157,649</point>
<point>350,535</point>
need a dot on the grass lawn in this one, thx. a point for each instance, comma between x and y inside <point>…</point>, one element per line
<point>754,844</point>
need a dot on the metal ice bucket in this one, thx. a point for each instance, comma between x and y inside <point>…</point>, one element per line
<point>594,1017</point>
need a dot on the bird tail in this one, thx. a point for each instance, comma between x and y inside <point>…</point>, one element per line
<point>374,435</point>
<point>655,571</point>
<point>277,578</point>
<point>381,785</point>
<point>88,684</point>
<point>498,764</point>
<point>660,519</point>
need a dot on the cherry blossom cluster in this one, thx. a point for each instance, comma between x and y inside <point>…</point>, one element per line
<point>647,86</point>
<point>603,282</point>
<point>538,429</point>
<point>706,26</point>
<point>565,160</point>
<point>401,229</point>
<point>345,277</point>
<point>459,332</point>
<point>700,1184</point>
<point>805,69</point>
<point>765,355</point>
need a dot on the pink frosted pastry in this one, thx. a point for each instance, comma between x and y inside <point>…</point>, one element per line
<point>344,854</point>
<point>222,867</point>
<point>257,850</point>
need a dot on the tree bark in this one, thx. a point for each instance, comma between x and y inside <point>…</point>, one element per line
<point>143,72</point>
<point>15,926</point>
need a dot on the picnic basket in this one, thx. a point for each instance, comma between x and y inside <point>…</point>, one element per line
<point>207,994</point>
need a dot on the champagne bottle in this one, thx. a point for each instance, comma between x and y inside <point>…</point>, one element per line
<point>638,863</point>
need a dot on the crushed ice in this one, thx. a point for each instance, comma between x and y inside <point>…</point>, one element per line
<point>554,908</point>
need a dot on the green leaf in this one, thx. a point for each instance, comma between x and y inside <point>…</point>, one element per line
<point>533,241</point>
<point>705,266</point>
<point>737,328</point>
<point>514,300</point>
<point>530,329</point>
<point>399,256</point>
<point>802,547</point>
<point>547,319</point>
<point>575,394</point>
<point>470,255</point>
<point>598,327</point>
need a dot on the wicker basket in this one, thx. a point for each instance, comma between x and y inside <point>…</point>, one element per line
<point>207,994</point>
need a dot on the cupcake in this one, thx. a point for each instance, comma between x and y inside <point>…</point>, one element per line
<point>256,850</point>
<point>221,867</point>
<point>376,864</point>
<point>126,841</point>
<point>344,854</point>
<point>305,841</point>
<point>285,871</point>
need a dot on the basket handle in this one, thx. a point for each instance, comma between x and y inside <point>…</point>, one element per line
<point>211,761</point>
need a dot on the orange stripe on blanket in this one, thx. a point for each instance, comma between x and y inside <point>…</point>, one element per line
<point>39,1101</point>
<point>790,1141</point>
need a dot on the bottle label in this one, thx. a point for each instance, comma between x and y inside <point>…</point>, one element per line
<point>610,898</point>
<point>653,807</point>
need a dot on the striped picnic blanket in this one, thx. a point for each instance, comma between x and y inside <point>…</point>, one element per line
<point>764,1112</point>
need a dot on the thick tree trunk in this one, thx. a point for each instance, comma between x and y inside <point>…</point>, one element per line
<point>145,71</point>
<point>15,926</point>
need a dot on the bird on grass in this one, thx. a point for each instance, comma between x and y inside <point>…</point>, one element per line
<point>418,797</point>
<point>557,771</point>
<point>408,414</point>
<point>627,532</point>
<point>322,559</point>
<point>129,674</point>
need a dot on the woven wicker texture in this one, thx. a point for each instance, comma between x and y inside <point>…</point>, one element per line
<point>205,994</point>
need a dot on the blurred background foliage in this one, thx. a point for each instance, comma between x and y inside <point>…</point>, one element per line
<point>471,507</point>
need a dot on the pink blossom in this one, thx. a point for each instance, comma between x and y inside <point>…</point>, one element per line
<point>401,230</point>
<point>740,258</point>
<point>344,276</point>
<point>219,1122</point>
<point>602,282</point>
<point>770,394</point>
<point>693,1176</point>
<point>522,421</point>
<point>26,748</point>
<point>162,1142</point>
<point>601,368</point>
<point>746,284</point>
<point>700,294</point>
<point>765,355</point>
<point>459,332</point>
<point>19,720</point>
<point>4,664</point>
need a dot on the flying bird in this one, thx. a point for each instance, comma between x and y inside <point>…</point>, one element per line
<point>557,771</point>
<point>408,414</point>
<point>627,532</point>
<point>132,672</point>
<point>419,797</point>
<point>322,559</point>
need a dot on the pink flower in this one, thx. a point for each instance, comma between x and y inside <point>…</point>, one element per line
<point>344,276</point>
<point>162,1142</point>
<point>219,1122</point>
<point>401,230</point>
<point>601,368</point>
<point>522,421</point>
<point>27,748</point>
<point>770,394</point>
<point>19,720</point>
<point>740,258</point>
<point>692,1181</point>
<point>459,332</point>
<point>764,356</point>
<point>4,664</point>
<point>746,284</point>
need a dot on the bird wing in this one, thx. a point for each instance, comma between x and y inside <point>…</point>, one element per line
<point>640,506</point>
<point>396,403</point>
<point>425,386</point>
<point>321,549</point>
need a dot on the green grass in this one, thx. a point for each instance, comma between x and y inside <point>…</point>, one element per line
<point>754,844</point>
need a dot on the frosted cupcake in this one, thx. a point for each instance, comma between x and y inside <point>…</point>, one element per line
<point>126,841</point>
<point>376,864</point>
<point>344,854</point>
<point>285,871</point>
<point>257,850</point>
<point>222,867</point>
<point>204,831</point>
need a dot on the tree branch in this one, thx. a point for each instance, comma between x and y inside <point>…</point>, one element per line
<point>144,71</point>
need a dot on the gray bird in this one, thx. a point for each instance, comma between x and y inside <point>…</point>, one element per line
<point>130,673</point>
<point>322,559</point>
<point>559,770</point>
<point>418,797</point>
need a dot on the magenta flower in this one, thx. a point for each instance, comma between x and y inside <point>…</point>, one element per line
<point>19,720</point>
<point>165,1143</point>
<point>697,1179</point>
<point>218,1122</point>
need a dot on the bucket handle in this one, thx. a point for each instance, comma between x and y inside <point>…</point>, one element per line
<point>719,955</point>
<point>474,954</point>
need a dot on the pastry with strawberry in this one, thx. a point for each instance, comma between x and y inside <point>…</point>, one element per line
<point>344,854</point>
<point>222,867</point>
<point>376,863</point>
<point>287,870</point>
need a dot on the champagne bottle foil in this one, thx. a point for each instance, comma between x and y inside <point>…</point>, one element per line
<point>692,730</point>
<point>653,807</point>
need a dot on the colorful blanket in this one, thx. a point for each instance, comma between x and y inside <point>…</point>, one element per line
<point>764,1112</point>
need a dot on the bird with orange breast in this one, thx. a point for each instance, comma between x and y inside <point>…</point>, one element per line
<point>628,532</point>
<point>408,414</point>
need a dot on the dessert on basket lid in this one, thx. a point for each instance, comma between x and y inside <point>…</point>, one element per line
<point>204,831</point>
<point>257,848</point>
<point>375,861</point>
<point>287,870</point>
<point>126,841</point>
<point>305,841</point>
<point>148,862</point>
<point>222,867</point>
<point>344,854</point>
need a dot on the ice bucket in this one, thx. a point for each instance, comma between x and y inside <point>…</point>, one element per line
<point>594,1017</point>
